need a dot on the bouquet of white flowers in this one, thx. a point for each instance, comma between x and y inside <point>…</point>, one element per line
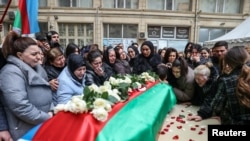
<point>99,100</point>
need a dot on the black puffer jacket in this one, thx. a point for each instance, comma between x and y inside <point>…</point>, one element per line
<point>93,78</point>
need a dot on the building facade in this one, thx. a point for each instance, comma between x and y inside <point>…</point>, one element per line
<point>167,23</point>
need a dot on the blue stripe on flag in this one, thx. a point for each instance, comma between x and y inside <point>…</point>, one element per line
<point>30,134</point>
<point>32,10</point>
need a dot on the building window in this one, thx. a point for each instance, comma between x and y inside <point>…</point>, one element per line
<point>43,27</point>
<point>206,34</point>
<point>120,31</point>
<point>221,6</point>
<point>164,36</point>
<point>75,3</point>
<point>42,3</point>
<point>114,34</point>
<point>129,4</point>
<point>168,32</point>
<point>80,34</point>
<point>3,2</point>
<point>177,5</point>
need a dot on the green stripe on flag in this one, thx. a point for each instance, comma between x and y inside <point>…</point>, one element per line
<point>141,118</point>
<point>17,26</point>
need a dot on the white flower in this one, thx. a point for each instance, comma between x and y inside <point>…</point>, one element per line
<point>99,103</point>
<point>138,85</point>
<point>115,93</point>
<point>147,77</point>
<point>94,88</point>
<point>151,79</point>
<point>127,80</point>
<point>76,106</point>
<point>107,84</point>
<point>142,89</point>
<point>119,80</point>
<point>108,107</point>
<point>100,114</point>
<point>59,107</point>
<point>103,89</point>
<point>113,81</point>
<point>130,90</point>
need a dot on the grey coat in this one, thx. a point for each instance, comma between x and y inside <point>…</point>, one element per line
<point>27,97</point>
<point>184,90</point>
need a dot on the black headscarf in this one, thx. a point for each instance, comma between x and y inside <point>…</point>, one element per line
<point>151,46</point>
<point>74,62</point>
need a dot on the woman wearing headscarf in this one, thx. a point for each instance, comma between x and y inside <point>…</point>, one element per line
<point>71,79</point>
<point>133,52</point>
<point>147,60</point>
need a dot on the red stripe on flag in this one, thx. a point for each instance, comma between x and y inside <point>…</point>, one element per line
<point>75,127</point>
<point>24,15</point>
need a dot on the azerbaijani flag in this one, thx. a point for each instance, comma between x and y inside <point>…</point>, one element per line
<point>140,119</point>
<point>26,17</point>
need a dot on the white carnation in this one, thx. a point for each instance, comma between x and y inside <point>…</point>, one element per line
<point>138,85</point>
<point>100,114</point>
<point>94,88</point>
<point>113,81</point>
<point>107,84</point>
<point>76,106</point>
<point>127,80</point>
<point>103,89</point>
<point>99,103</point>
<point>59,107</point>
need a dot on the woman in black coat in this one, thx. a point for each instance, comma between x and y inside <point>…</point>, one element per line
<point>147,60</point>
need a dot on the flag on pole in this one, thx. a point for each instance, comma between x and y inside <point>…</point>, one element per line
<point>26,19</point>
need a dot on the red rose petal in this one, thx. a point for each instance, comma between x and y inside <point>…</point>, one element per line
<point>168,125</point>
<point>196,125</point>
<point>165,129</point>
<point>179,127</point>
<point>203,129</point>
<point>177,118</point>
<point>191,140</point>
<point>176,137</point>
<point>162,132</point>
<point>182,121</point>
<point>192,128</point>
<point>200,133</point>
<point>171,122</point>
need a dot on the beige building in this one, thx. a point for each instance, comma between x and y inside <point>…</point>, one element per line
<point>167,23</point>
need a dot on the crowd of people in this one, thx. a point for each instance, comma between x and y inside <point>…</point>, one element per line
<point>37,74</point>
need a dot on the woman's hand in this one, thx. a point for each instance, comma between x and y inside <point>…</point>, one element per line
<point>195,118</point>
<point>186,104</point>
<point>54,84</point>
<point>5,136</point>
<point>99,71</point>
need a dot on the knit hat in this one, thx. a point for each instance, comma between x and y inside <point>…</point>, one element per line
<point>75,61</point>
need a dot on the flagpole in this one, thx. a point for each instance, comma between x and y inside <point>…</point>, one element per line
<point>5,11</point>
<point>1,21</point>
